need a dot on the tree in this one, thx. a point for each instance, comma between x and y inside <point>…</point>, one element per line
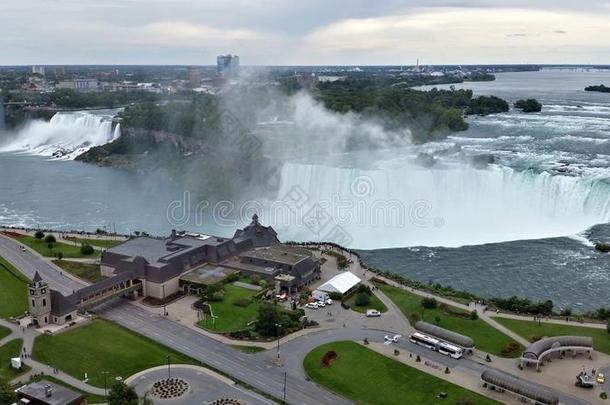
<point>429,303</point>
<point>50,239</point>
<point>86,249</point>
<point>7,393</point>
<point>122,394</point>
<point>39,234</point>
<point>362,299</point>
<point>473,315</point>
<point>608,326</point>
<point>60,255</point>
<point>268,317</point>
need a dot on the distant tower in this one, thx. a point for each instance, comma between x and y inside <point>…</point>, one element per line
<point>39,301</point>
<point>417,66</point>
<point>195,77</point>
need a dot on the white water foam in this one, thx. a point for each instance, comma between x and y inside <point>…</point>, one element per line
<point>66,135</point>
<point>412,206</point>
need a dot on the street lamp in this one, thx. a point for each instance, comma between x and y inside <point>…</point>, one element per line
<point>277,329</point>
<point>105,374</point>
<point>164,303</point>
<point>169,374</point>
<point>285,374</point>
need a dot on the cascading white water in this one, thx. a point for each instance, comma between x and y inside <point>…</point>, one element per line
<point>65,136</point>
<point>414,206</point>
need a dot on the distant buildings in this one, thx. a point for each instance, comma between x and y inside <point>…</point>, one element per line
<point>195,76</point>
<point>84,85</point>
<point>227,65</point>
<point>38,70</point>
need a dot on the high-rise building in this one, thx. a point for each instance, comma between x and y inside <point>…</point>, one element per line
<point>195,77</point>
<point>227,65</point>
<point>38,69</point>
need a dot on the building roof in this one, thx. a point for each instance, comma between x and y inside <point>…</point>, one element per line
<point>341,283</point>
<point>537,349</point>
<point>59,395</point>
<point>37,277</point>
<point>519,386</point>
<point>261,235</point>
<point>450,336</point>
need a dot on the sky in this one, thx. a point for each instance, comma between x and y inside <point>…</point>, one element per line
<point>304,32</point>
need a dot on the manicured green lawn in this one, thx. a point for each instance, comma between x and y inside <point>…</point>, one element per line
<point>367,377</point>
<point>86,271</point>
<point>103,243</point>
<point>529,329</point>
<point>249,349</point>
<point>13,292</point>
<point>7,351</point>
<point>486,338</point>
<point>4,332</point>
<point>374,304</point>
<point>102,346</point>
<point>40,246</point>
<point>231,317</point>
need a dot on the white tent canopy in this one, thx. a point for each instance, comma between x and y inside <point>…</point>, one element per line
<point>341,283</point>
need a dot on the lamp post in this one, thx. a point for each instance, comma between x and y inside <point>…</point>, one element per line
<point>169,374</point>
<point>164,304</point>
<point>105,374</point>
<point>285,375</point>
<point>277,329</point>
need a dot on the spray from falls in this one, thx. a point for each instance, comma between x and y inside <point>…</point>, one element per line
<point>65,136</point>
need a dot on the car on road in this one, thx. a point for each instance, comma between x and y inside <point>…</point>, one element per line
<point>311,305</point>
<point>372,312</point>
<point>329,302</point>
<point>601,378</point>
<point>392,339</point>
<point>22,248</point>
<point>344,305</point>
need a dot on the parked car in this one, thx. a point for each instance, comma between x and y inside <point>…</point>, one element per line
<point>311,305</point>
<point>372,312</point>
<point>23,248</point>
<point>392,339</point>
<point>329,302</point>
<point>344,305</point>
<point>601,378</point>
<point>321,304</point>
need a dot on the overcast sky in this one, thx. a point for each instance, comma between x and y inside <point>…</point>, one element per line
<point>307,32</point>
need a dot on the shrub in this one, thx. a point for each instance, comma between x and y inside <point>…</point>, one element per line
<point>566,312</point>
<point>366,341</point>
<point>396,352</point>
<point>241,334</point>
<point>233,277</point>
<point>473,315</point>
<point>254,279</point>
<point>39,234</point>
<point>335,296</point>
<point>437,319</point>
<point>263,283</point>
<point>510,348</point>
<point>328,358</point>
<point>414,318</point>
<point>216,296</point>
<point>447,370</point>
<point>364,289</point>
<point>603,395</point>
<point>529,105</point>
<point>86,249</point>
<point>60,255</point>
<point>429,303</point>
<point>362,299</point>
<point>50,239</point>
<point>418,359</point>
<point>242,302</point>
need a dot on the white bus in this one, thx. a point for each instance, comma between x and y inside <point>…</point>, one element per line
<point>424,340</point>
<point>437,345</point>
<point>450,350</point>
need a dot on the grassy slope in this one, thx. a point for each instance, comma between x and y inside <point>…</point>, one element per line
<point>529,329</point>
<point>7,351</point>
<point>374,304</point>
<point>486,338</point>
<point>40,246</point>
<point>231,317</point>
<point>367,377</point>
<point>86,271</point>
<point>13,293</point>
<point>102,346</point>
<point>4,332</point>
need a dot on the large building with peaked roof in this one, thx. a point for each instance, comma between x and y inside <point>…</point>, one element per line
<point>185,261</point>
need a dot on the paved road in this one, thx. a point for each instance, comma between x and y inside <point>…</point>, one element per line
<point>28,263</point>
<point>258,372</point>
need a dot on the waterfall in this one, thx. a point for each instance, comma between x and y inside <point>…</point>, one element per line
<point>2,119</point>
<point>414,206</point>
<point>66,135</point>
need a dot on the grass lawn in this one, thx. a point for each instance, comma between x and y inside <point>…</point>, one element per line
<point>249,349</point>
<point>4,332</point>
<point>231,317</point>
<point>7,351</point>
<point>486,338</point>
<point>42,248</point>
<point>367,377</point>
<point>102,346</point>
<point>86,271</point>
<point>529,329</point>
<point>103,243</point>
<point>13,293</point>
<point>374,304</point>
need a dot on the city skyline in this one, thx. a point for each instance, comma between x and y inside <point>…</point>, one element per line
<point>316,33</point>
